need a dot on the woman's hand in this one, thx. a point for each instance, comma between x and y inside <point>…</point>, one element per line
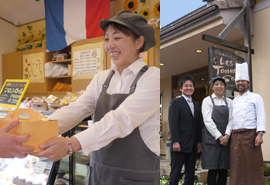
<point>221,138</point>
<point>55,149</point>
<point>224,140</point>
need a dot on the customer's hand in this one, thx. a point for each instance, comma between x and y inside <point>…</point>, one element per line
<point>176,147</point>
<point>57,148</point>
<point>258,140</point>
<point>9,146</point>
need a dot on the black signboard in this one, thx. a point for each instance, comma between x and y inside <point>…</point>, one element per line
<point>12,92</point>
<point>222,63</point>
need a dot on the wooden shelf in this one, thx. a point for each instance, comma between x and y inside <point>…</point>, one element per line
<point>61,61</point>
<point>59,77</point>
<point>58,92</point>
<point>83,126</point>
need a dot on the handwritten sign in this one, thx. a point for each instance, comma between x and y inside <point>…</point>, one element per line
<point>87,62</point>
<point>222,63</point>
<point>12,92</point>
<point>88,59</point>
<point>39,167</point>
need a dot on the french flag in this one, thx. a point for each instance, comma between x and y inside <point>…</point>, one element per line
<point>70,20</point>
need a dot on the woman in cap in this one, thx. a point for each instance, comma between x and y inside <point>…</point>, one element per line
<point>216,133</point>
<point>124,138</point>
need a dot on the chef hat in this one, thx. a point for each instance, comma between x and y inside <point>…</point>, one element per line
<point>241,72</point>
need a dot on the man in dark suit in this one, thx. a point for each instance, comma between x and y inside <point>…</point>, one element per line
<point>186,132</point>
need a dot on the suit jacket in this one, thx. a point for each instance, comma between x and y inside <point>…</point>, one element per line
<point>185,129</point>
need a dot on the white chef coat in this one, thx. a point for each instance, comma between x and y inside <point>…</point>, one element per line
<point>140,109</point>
<point>248,112</point>
<point>207,109</point>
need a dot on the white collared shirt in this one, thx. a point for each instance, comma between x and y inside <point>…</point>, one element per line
<point>141,109</point>
<point>248,112</point>
<point>207,109</point>
<point>187,98</point>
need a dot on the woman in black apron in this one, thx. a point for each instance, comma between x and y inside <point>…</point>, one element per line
<point>124,138</point>
<point>215,134</point>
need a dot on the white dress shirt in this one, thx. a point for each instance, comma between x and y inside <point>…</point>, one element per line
<point>187,98</point>
<point>140,109</point>
<point>248,112</point>
<point>207,109</point>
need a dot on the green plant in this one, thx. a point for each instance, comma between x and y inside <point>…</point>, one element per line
<point>164,180</point>
<point>266,170</point>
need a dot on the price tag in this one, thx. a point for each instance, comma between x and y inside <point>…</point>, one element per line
<point>12,92</point>
<point>40,167</point>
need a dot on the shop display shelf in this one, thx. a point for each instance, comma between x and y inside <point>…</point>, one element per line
<point>66,61</point>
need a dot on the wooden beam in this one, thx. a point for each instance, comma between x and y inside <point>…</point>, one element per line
<point>225,43</point>
<point>230,26</point>
<point>8,21</point>
<point>31,22</point>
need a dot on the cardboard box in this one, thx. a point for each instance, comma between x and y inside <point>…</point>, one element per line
<point>33,123</point>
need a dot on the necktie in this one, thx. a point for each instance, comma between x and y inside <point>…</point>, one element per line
<point>191,105</point>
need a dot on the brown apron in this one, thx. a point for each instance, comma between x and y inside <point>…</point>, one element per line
<point>246,159</point>
<point>125,161</point>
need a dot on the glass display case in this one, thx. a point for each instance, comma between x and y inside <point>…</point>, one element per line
<point>27,171</point>
<point>70,170</point>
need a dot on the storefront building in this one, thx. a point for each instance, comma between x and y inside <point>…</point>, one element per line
<point>181,39</point>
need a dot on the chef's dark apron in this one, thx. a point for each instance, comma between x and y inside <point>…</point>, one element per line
<point>125,161</point>
<point>246,159</point>
<point>214,155</point>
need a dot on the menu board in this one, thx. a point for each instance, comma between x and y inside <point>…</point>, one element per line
<point>87,60</point>
<point>222,63</point>
<point>12,92</point>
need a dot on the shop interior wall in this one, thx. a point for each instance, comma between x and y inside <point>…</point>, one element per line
<point>260,68</point>
<point>8,38</point>
<point>166,88</point>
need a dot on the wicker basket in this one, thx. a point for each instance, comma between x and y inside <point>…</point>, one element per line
<point>40,106</point>
<point>54,107</point>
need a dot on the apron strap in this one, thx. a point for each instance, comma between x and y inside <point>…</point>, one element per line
<point>212,100</point>
<point>224,100</point>
<point>134,83</point>
<point>107,81</point>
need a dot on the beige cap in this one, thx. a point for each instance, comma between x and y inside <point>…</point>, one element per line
<point>136,23</point>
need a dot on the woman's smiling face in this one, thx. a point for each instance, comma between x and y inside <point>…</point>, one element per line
<point>123,49</point>
<point>218,87</point>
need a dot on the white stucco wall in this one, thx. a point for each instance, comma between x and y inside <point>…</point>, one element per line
<point>261,66</point>
<point>260,42</point>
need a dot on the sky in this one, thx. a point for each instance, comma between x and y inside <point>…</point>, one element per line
<point>172,10</point>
